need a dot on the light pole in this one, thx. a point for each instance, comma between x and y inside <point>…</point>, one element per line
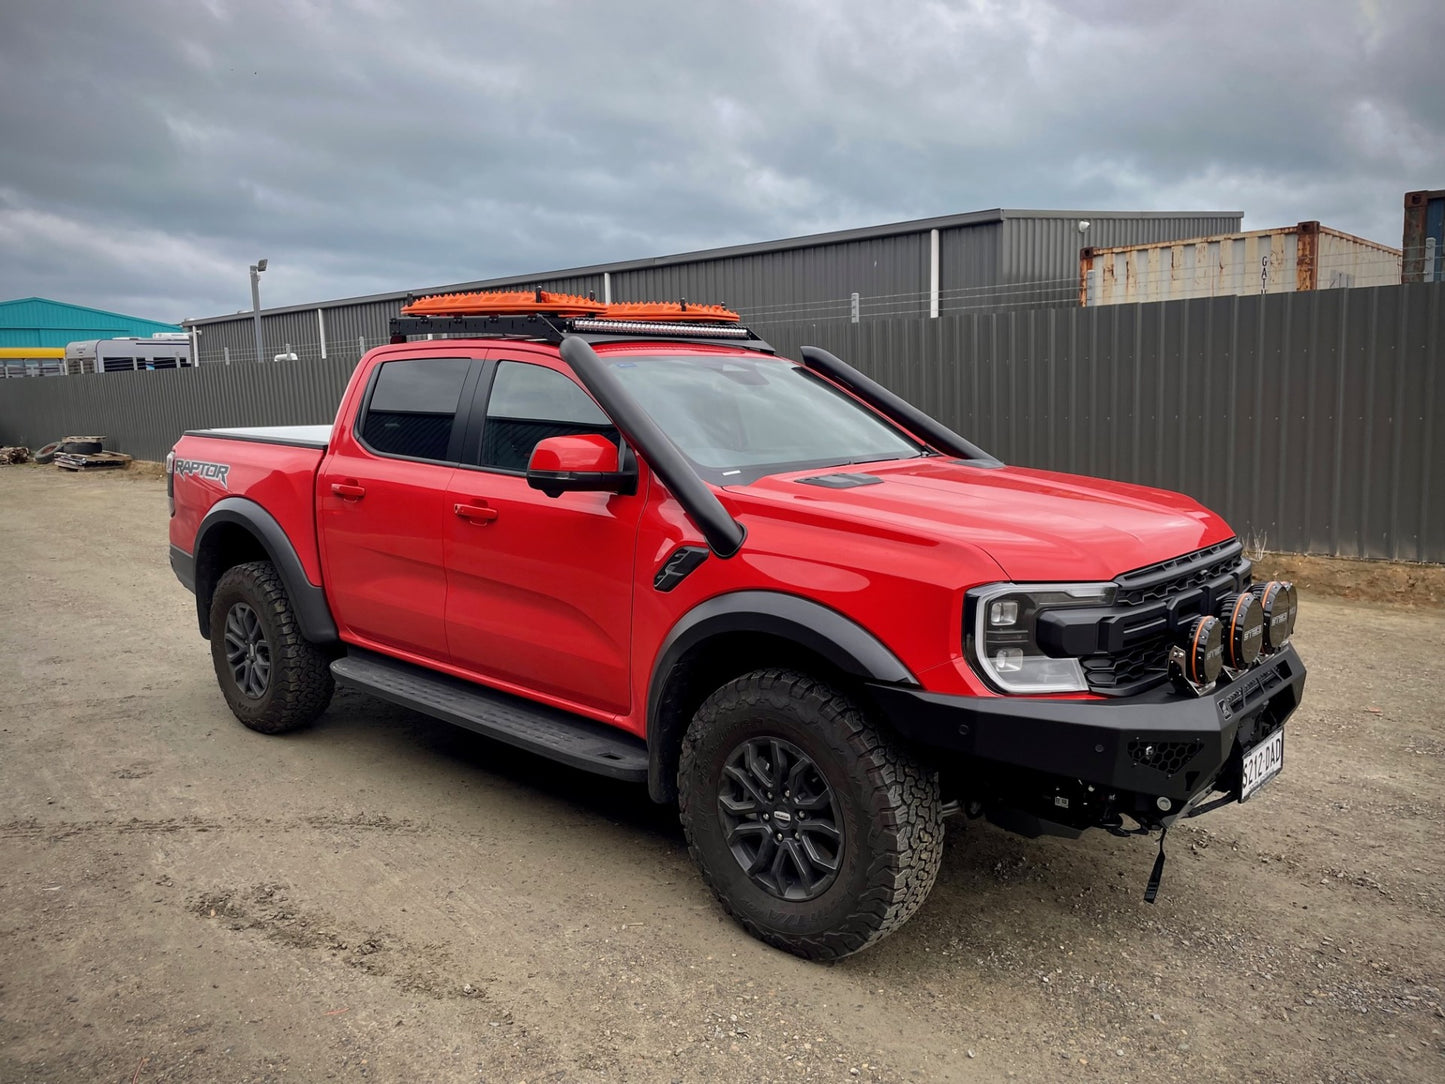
<point>256,269</point>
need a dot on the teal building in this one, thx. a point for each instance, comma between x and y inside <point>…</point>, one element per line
<point>38,321</point>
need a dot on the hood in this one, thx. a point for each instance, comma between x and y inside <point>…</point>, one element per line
<point>1037,525</point>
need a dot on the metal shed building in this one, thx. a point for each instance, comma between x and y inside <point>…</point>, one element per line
<point>996,259</point>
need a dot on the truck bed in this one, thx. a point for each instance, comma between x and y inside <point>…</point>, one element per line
<point>270,466</point>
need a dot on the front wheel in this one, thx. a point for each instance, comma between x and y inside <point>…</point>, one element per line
<point>273,678</point>
<point>815,831</point>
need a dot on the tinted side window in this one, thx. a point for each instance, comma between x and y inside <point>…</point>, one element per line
<point>530,403</point>
<point>413,405</point>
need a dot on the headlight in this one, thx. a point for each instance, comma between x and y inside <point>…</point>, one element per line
<point>1004,635</point>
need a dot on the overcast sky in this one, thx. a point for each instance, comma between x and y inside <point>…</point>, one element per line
<point>151,149</point>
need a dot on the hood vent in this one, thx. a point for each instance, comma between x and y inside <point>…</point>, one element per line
<point>841,481</point>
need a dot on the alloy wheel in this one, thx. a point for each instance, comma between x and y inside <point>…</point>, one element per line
<point>780,819</point>
<point>247,651</point>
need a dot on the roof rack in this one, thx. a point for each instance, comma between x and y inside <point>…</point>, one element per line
<point>543,327</point>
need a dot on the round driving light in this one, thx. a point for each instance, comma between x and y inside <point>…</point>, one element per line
<point>1243,619</point>
<point>1203,650</point>
<point>1277,599</point>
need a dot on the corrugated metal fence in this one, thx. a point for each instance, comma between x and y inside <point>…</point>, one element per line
<point>1314,422</point>
<point>143,413</point>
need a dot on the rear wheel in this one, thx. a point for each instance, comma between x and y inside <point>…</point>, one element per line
<point>272,677</point>
<point>816,832</point>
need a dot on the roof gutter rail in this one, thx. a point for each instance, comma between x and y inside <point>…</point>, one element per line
<point>898,410</point>
<point>724,534</point>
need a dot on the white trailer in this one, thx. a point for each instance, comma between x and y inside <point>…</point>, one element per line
<point>128,355</point>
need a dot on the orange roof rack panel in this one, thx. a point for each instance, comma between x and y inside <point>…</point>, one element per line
<point>504,303</point>
<point>674,312</point>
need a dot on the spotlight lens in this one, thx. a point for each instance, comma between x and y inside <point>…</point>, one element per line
<point>1204,650</point>
<point>1278,600</point>
<point>1243,619</point>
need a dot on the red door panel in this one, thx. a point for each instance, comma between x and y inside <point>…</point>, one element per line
<point>382,507</point>
<point>383,550</point>
<point>540,588</point>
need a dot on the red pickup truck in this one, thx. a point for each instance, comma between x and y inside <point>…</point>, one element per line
<point>633,539</point>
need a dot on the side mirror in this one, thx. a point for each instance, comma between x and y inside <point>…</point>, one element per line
<point>585,463</point>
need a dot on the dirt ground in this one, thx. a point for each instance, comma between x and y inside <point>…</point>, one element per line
<point>1409,586</point>
<point>383,897</point>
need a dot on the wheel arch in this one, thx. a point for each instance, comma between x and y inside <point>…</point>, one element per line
<point>237,530</point>
<point>731,634</point>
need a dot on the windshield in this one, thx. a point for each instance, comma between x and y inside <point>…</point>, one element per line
<point>738,418</point>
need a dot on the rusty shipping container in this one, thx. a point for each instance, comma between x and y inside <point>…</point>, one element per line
<point>1424,238</point>
<point>1290,259</point>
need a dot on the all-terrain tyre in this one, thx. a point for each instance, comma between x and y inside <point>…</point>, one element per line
<point>272,677</point>
<point>815,831</point>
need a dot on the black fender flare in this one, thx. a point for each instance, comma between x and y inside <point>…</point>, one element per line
<point>827,633</point>
<point>313,613</point>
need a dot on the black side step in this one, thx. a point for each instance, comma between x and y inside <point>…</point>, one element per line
<point>559,735</point>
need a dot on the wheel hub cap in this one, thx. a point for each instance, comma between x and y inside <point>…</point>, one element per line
<point>780,819</point>
<point>247,652</point>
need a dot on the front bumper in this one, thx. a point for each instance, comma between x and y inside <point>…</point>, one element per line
<point>1160,743</point>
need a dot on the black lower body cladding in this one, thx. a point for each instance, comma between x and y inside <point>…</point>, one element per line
<point>1161,743</point>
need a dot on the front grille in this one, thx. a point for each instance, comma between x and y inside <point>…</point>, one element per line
<point>1153,601</point>
<point>1129,670</point>
<point>1178,574</point>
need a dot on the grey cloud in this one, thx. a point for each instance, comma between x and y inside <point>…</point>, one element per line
<point>154,149</point>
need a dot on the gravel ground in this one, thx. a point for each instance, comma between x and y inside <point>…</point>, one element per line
<point>384,897</point>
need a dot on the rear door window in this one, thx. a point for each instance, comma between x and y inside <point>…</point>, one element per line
<point>412,409</point>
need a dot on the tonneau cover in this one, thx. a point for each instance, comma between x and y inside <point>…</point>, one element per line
<point>301,436</point>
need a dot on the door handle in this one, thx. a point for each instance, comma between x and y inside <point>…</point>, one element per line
<point>348,490</point>
<point>476,513</point>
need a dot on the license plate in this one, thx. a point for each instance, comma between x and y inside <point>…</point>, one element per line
<point>1262,763</point>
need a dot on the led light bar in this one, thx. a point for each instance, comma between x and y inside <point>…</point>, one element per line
<point>665,311</point>
<point>641,327</point>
